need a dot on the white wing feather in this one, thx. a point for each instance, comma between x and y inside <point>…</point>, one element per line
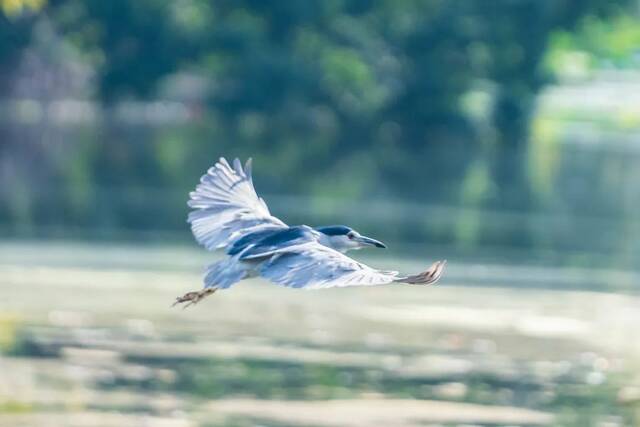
<point>315,266</point>
<point>227,206</point>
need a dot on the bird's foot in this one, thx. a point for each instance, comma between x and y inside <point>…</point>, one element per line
<point>194,297</point>
<point>430,276</point>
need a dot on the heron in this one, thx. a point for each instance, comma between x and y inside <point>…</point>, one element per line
<point>230,217</point>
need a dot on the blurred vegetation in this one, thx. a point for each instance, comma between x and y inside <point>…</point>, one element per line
<point>8,332</point>
<point>420,101</point>
<point>596,44</point>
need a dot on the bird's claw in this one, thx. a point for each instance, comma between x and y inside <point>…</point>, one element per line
<point>193,297</point>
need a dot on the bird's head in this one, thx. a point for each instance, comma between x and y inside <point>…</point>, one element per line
<point>343,238</point>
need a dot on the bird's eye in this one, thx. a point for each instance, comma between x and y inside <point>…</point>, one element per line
<point>351,235</point>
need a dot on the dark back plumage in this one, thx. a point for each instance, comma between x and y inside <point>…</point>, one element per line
<point>334,230</point>
<point>263,243</point>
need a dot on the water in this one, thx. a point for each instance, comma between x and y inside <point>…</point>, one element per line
<point>88,338</point>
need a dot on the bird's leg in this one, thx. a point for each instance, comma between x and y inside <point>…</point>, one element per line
<point>194,297</point>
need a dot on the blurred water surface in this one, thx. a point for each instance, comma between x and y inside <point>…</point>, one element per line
<point>88,338</point>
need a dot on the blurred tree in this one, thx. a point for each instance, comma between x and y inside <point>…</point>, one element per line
<point>16,23</point>
<point>14,8</point>
<point>518,35</point>
<point>367,93</point>
<point>131,44</point>
<point>379,67</point>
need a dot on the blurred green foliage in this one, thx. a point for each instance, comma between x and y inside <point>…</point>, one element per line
<point>424,100</point>
<point>596,43</point>
<point>346,76</point>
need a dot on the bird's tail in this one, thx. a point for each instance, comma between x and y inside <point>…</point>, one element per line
<point>224,273</point>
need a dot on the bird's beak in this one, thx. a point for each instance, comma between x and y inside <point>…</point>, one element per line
<point>369,241</point>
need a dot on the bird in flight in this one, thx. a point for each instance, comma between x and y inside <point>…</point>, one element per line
<point>229,216</point>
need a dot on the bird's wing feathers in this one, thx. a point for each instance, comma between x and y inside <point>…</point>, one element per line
<point>227,207</point>
<point>314,266</point>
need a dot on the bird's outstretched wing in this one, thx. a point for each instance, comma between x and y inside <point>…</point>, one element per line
<point>314,266</point>
<point>227,206</point>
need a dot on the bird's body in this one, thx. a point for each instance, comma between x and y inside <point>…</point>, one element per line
<point>229,216</point>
